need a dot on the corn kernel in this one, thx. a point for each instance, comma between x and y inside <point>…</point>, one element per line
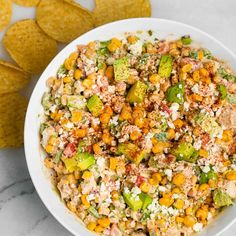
<point>203,187</point>
<point>227,135</point>
<point>196,76</point>
<point>179,204</point>
<point>176,190</point>
<point>106,138</point>
<point>204,72</point>
<point>178,179</point>
<point>196,97</point>
<point>91,226</point>
<point>73,55</point>
<point>109,73</point>
<point>139,122</point>
<point>84,201</point>
<point>203,153</point>
<point>104,222</point>
<point>135,135</point>
<point>164,181</point>
<point>113,163</point>
<point>178,123</point>
<point>52,140</point>
<point>202,214</point>
<point>87,174</point>
<point>212,183</point>
<point>200,55</point>
<point>76,116</point>
<point>170,133</point>
<point>231,175</point>
<point>187,68</point>
<point>179,219</point>
<point>166,201</point>
<point>105,118</point>
<point>96,148</point>
<point>99,229</point>
<point>69,63</point>
<point>67,79</point>
<point>92,45</point>
<point>80,133</point>
<point>49,148</point>
<point>132,39</point>
<point>207,80</point>
<point>108,110</point>
<point>87,83</point>
<point>157,177</point>
<point>114,45</point>
<point>189,221</point>
<point>145,187</point>
<point>77,74</point>
<point>125,113</point>
<point>196,131</point>
<point>115,195</point>
<point>189,211</point>
<point>154,78</point>
<point>152,182</point>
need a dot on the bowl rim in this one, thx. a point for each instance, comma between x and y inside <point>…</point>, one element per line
<point>27,125</point>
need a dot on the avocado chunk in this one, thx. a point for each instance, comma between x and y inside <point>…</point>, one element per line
<point>175,93</point>
<point>221,198</point>
<point>185,152</point>
<point>135,203</point>
<point>121,69</point>
<point>137,92</point>
<point>46,101</point>
<point>165,66</point>
<point>94,212</point>
<point>131,152</point>
<point>71,164</point>
<point>205,177</point>
<point>222,90</point>
<point>95,105</point>
<point>208,124</point>
<point>76,101</point>
<point>186,40</point>
<point>146,199</point>
<point>81,161</point>
<point>85,160</point>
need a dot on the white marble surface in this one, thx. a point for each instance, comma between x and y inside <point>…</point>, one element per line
<point>21,211</point>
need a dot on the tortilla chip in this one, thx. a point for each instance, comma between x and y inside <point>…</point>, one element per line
<point>112,10</point>
<point>29,46</point>
<point>27,3</point>
<point>5,13</point>
<point>12,114</point>
<point>62,20</point>
<point>12,78</point>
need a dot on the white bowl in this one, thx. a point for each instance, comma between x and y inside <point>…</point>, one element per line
<point>33,152</point>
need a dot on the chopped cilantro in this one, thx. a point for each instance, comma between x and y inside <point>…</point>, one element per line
<point>161,136</point>
<point>226,75</point>
<point>193,54</point>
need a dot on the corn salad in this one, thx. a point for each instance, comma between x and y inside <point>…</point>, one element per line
<point>139,134</point>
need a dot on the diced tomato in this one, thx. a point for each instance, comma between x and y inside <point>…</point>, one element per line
<point>166,108</point>
<point>139,180</point>
<point>70,149</point>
